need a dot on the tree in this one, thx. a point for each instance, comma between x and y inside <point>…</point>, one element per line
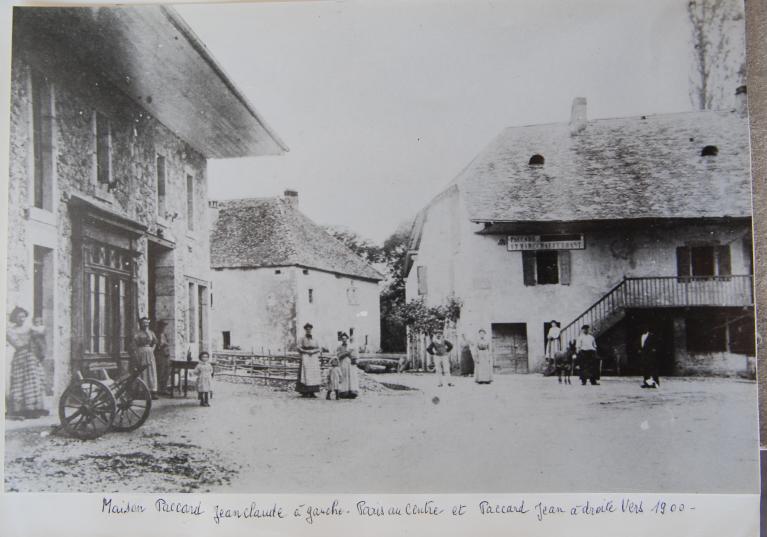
<point>368,251</point>
<point>719,59</point>
<point>393,254</point>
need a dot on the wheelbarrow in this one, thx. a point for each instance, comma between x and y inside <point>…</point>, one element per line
<point>90,407</point>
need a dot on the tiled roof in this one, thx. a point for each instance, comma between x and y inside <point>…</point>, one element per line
<point>271,232</point>
<point>627,168</point>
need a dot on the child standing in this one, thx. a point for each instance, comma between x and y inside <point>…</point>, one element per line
<point>204,371</point>
<point>334,378</point>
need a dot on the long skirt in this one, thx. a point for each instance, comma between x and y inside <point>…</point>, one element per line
<point>309,374</point>
<point>350,384</point>
<point>553,346</point>
<point>162,360</point>
<point>145,357</point>
<point>483,371</point>
<point>467,362</point>
<point>27,384</point>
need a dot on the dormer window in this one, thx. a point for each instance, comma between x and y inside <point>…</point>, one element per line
<point>536,160</point>
<point>709,151</point>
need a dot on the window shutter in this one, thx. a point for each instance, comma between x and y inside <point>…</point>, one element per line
<point>723,260</point>
<point>422,285</point>
<point>683,261</point>
<point>748,253</point>
<point>528,267</point>
<point>564,267</point>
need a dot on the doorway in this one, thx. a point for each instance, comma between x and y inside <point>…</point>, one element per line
<point>510,347</point>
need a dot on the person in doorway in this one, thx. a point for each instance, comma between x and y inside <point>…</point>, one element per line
<point>162,357</point>
<point>27,377</point>
<point>145,343</point>
<point>440,349</point>
<point>586,348</point>
<point>309,373</point>
<point>345,353</point>
<point>553,345</point>
<point>483,356</point>
<point>467,360</point>
<point>648,350</point>
<point>204,372</point>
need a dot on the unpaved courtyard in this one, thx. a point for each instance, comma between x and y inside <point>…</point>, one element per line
<point>521,433</point>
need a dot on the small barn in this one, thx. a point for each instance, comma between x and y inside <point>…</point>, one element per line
<point>274,270</point>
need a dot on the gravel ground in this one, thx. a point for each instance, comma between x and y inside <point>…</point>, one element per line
<point>521,433</point>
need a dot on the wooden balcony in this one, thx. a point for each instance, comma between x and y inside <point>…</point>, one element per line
<point>663,292</point>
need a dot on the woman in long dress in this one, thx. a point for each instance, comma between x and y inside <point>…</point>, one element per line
<point>162,357</point>
<point>145,343</point>
<point>309,374</point>
<point>483,367</point>
<point>27,376</point>
<point>349,386</point>
<point>553,344</point>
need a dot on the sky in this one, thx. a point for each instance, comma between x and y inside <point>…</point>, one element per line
<point>382,104</point>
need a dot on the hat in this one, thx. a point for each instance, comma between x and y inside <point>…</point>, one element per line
<point>308,325</point>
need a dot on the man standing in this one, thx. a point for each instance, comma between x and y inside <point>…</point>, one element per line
<point>586,346</point>
<point>440,349</point>
<point>648,350</point>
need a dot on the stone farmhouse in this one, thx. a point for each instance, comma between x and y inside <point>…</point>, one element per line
<point>612,223</point>
<point>114,112</point>
<point>274,270</point>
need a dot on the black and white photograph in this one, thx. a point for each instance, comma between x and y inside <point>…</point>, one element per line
<point>382,247</point>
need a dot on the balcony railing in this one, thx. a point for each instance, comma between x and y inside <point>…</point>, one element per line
<point>664,292</point>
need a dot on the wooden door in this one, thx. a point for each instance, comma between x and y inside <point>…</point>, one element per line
<point>510,347</point>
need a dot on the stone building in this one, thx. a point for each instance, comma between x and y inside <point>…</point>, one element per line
<point>275,270</point>
<point>114,112</point>
<point>610,223</point>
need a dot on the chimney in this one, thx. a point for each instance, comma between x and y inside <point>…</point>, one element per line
<point>578,118</point>
<point>741,101</point>
<point>291,196</point>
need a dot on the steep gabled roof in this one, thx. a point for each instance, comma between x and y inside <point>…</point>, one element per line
<point>272,232</point>
<point>626,168</point>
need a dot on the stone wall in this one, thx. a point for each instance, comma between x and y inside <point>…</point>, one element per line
<point>137,138</point>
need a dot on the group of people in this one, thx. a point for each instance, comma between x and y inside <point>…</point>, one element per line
<point>476,358</point>
<point>583,352</point>
<point>343,380</point>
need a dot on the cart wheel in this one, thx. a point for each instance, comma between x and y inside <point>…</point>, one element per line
<point>133,405</point>
<point>87,409</point>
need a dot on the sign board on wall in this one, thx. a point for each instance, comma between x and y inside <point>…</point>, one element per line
<point>517,243</point>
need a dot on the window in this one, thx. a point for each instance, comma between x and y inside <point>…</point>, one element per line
<point>311,296</point>
<point>161,177</point>
<point>42,141</point>
<point>709,151</point>
<point>721,333</point>
<point>706,335</point>
<point>109,298</point>
<point>536,160</point>
<point>190,202</point>
<point>423,288</point>
<point>202,314</point>
<point>103,150</point>
<point>227,337</point>
<point>545,267</point>
<point>191,321</point>
<point>703,261</point>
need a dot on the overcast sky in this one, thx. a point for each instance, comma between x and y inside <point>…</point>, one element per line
<point>383,103</point>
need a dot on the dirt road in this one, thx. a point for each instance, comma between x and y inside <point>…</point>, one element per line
<point>521,433</point>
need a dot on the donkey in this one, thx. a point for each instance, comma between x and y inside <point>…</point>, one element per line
<point>564,362</point>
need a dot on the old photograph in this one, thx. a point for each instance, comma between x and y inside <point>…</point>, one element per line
<point>383,247</point>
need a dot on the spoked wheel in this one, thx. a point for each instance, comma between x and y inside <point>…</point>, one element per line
<point>87,409</point>
<point>134,401</point>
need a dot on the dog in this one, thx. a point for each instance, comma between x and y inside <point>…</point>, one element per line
<point>564,362</point>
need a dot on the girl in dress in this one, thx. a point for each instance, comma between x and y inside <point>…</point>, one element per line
<point>334,379</point>
<point>349,386</point>
<point>27,377</point>
<point>204,372</point>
